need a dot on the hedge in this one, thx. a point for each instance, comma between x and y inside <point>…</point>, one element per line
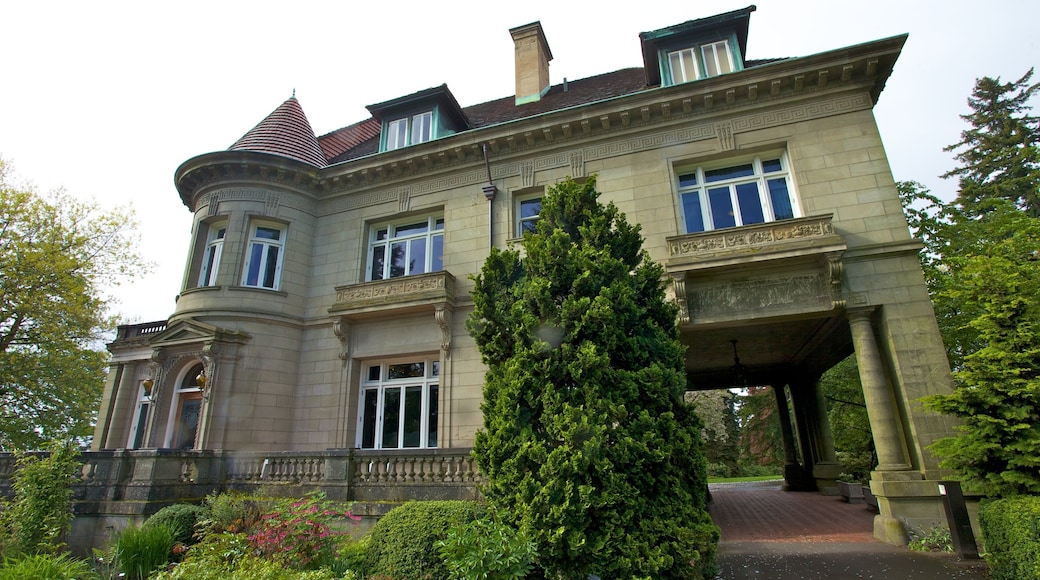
<point>1011,530</point>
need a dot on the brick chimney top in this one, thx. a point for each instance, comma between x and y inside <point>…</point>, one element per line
<point>532,62</point>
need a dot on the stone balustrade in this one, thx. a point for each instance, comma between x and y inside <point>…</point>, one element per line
<point>142,481</point>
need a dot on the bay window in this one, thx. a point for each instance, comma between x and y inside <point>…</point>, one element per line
<point>755,191</point>
<point>398,406</point>
<point>413,246</point>
<point>264,254</point>
<point>211,257</point>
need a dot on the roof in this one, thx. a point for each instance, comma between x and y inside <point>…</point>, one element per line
<point>285,132</point>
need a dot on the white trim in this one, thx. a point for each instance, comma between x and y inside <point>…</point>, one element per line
<point>429,389</point>
<point>267,245</point>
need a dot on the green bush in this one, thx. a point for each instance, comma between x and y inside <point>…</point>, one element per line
<point>40,515</point>
<point>180,519</point>
<point>46,567</point>
<point>140,551</point>
<point>226,556</point>
<point>487,548</point>
<point>401,545</point>
<point>1011,530</point>
<point>232,512</point>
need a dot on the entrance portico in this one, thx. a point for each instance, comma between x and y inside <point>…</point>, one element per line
<point>797,300</point>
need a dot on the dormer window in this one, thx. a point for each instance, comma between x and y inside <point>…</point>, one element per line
<point>409,130</point>
<point>418,118</point>
<point>690,64</point>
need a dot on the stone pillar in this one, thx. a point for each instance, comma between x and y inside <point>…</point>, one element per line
<point>794,475</point>
<point>826,468</point>
<point>881,407</point>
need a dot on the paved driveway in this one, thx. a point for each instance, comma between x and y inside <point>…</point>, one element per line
<point>771,534</point>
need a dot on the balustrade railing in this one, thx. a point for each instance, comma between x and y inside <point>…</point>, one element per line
<point>386,470</point>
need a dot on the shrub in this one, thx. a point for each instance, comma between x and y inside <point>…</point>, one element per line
<point>38,518</point>
<point>402,542</point>
<point>232,512</point>
<point>180,519</point>
<point>46,567</point>
<point>140,551</point>
<point>487,548</point>
<point>226,556</point>
<point>935,539</point>
<point>1011,530</point>
<point>297,534</point>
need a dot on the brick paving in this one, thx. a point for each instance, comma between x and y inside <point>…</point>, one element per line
<point>761,512</point>
<point>769,534</point>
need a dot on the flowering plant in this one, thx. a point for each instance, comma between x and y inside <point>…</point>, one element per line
<point>297,532</point>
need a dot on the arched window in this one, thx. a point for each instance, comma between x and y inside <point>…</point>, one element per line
<point>186,410</point>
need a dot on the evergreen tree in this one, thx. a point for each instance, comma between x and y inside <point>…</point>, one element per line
<point>587,443</point>
<point>999,154</point>
<point>998,396</point>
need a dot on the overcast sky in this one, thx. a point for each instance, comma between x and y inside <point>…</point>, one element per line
<point>108,98</point>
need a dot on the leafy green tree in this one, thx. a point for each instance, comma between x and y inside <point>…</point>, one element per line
<point>761,438</point>
<point>39,517</point>
<point>717,411</point>
<point>587,443</point>
<point>998,448</point>
<point>999,153</point>
<point>56,253</point>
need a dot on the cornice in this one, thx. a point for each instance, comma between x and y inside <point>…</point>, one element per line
<point>777,93</point>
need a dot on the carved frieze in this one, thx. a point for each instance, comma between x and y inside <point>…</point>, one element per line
<point>407,291</point>
<point>760,297</point>
<point>750,237</point>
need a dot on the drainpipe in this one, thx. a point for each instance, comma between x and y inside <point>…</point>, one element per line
<point>489,192</point>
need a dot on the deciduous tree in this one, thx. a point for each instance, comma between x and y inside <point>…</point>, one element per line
<point>587,443</point>
<point>57,255</point>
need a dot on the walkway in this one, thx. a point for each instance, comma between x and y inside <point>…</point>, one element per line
<point>771,534</point>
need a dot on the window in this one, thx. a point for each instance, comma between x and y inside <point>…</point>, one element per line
<point>527,210</point>
<point>211,258</point>
<point>185,411</point>
<point>398,406</point>
<point>688,64</point>
<point>264,256</point>
<point>409,130</point>
<point>753,192</point>
<point>140,419</point>
<point>412,247</point>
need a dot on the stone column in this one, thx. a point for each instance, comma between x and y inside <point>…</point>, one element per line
<point>794,475</point>
<point>881,408</point>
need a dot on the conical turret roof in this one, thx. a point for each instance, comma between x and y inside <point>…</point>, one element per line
<point>285,132</point>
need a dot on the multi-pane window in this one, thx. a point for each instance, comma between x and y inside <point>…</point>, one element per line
<point>402,249</point>
<point>688,64</point>
<point>683,65</point>
<point>752,192</point>
<point>527,210</point>
<point>185,411</point>
<point>264,256</point>
<point>409,130</point>
<point>716,58</point>
<point>398,406</point>
<point>140,420</point>
<point>211,258</point>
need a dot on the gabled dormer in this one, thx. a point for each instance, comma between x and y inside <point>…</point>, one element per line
<point>417,118</point>
<point>697,49</point>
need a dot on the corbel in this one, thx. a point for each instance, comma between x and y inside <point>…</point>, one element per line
<point>443,315</point>
<point>604,120</point>
<point>752,92</point>
<point>821,80</point>
<point>774,88</point>
<point>687,105</point>
<point>645,112</point>
<point>341,328</point>
<point>846,73</point>
<point>679,286</point>
<point>799,82</point>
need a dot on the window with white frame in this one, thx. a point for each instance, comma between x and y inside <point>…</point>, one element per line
<point>263,267</point>
<point>140,419</point>
<point>754,191</point>
<point>398,405</point>
<point>409,130</point>
<point>405,248</point>
<point>528,207</point>
<point>211,257</point>
<point>712,59</point>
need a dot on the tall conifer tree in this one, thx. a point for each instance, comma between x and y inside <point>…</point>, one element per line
<point>587,442</point>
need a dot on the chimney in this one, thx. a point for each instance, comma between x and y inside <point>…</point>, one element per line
<point>532,62</point>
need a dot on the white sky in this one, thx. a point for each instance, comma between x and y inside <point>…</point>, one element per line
<point>108,98</point>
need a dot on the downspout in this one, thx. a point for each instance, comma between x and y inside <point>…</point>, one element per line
<point>489,192</point>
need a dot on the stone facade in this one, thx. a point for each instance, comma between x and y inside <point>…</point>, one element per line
<point>285,366</point>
